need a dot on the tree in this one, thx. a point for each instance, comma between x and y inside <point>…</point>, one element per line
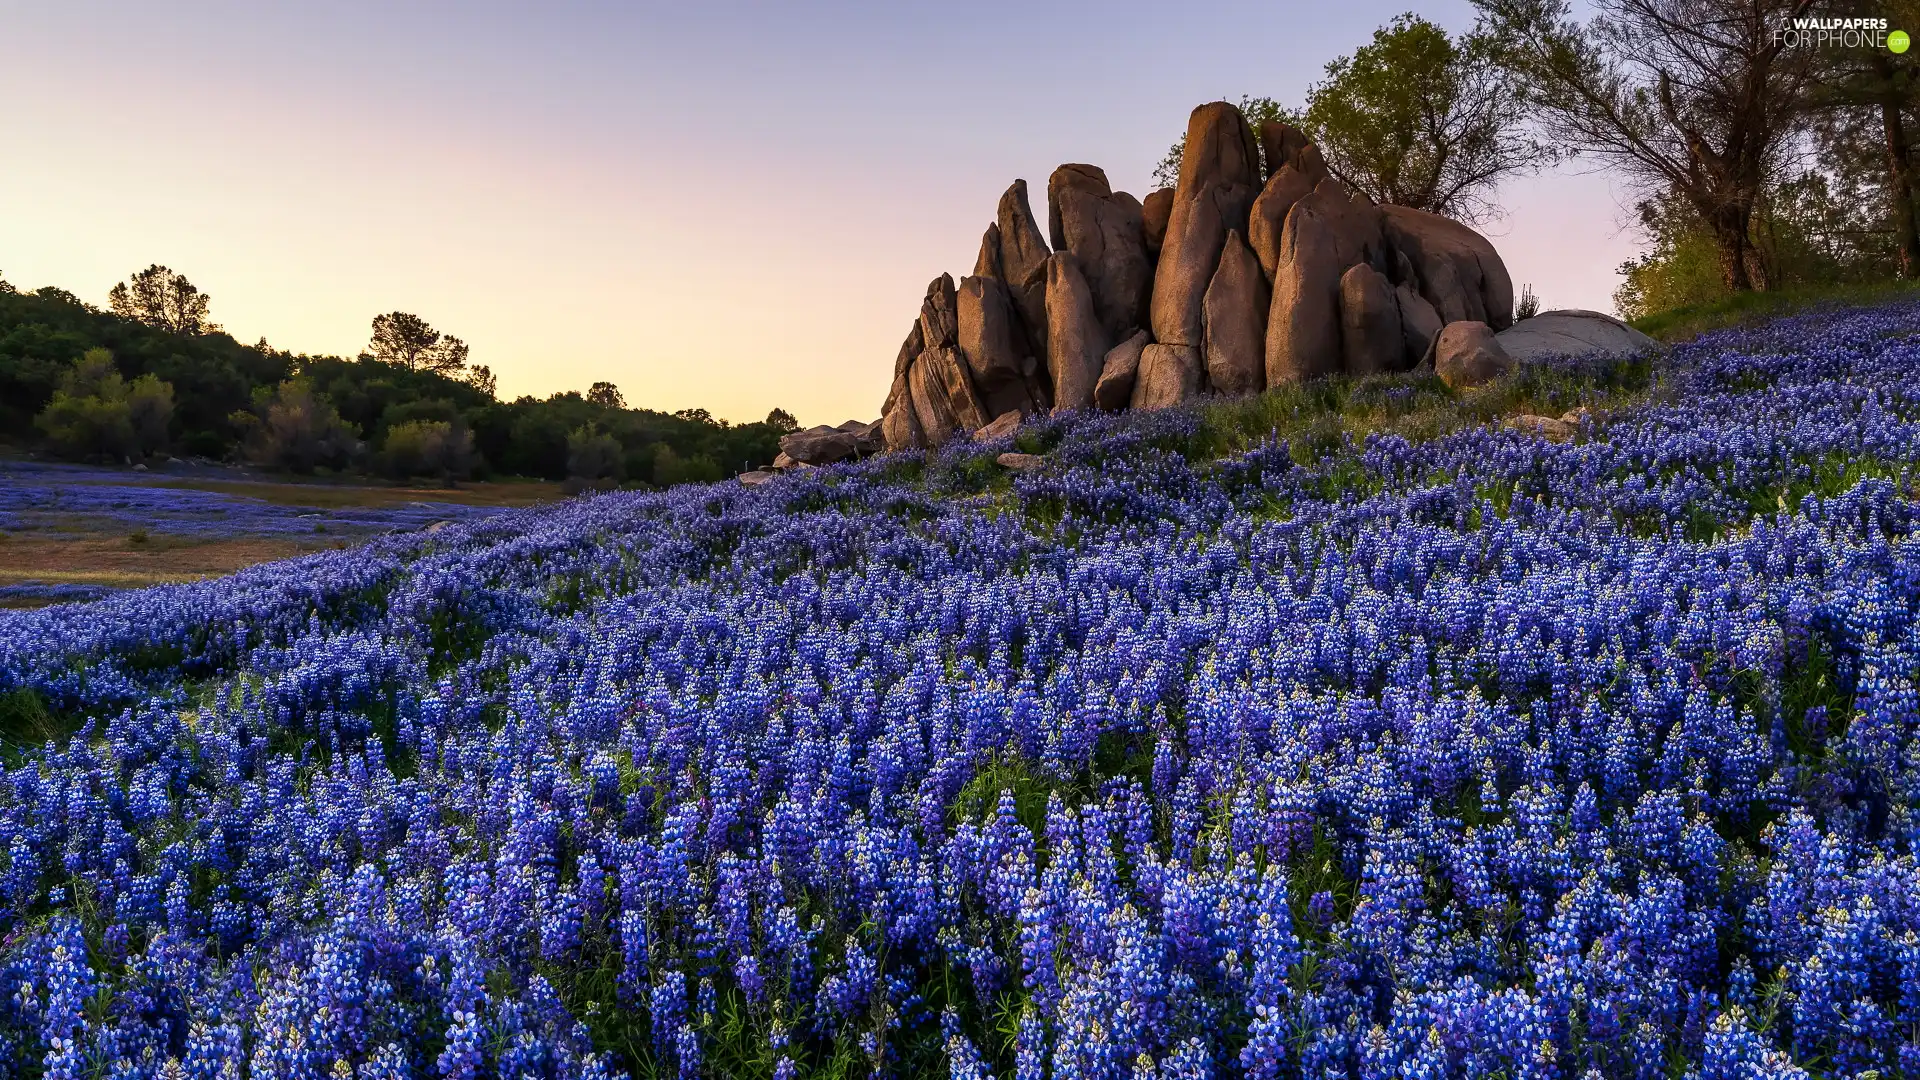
<point>1418,119</point>
<point>480,376</point>
<point>407,340</point>
<point>606,395</point>
<point>1696,97</point>
<point>1861,98</point>
<point>96,412</point>
<point>162,299</point>
<point>698,416</point>
<point>782,421</point>
<point>594,458</point>
<point>429,448</point>
<point>6,287</point>
<point>293,427</point>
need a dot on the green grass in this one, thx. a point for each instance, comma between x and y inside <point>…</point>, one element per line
<point>1319,417</point>
<point>1741,309</point>
<point>28,723</point>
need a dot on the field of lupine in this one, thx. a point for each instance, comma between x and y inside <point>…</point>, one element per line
<point>1476,755</point>
<point>46,507</point>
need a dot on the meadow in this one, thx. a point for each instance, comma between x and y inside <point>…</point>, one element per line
<point>1343,734</point>
<point>75,532</point>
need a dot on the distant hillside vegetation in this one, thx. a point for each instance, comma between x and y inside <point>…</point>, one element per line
<point>230,401</point>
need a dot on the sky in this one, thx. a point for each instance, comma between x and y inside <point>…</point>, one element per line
<point>727,206</point>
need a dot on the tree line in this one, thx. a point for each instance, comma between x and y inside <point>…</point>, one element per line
<point>153,375</point>
<point>1754,158</point>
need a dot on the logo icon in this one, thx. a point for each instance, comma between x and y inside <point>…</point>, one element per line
<point>1898,41</point>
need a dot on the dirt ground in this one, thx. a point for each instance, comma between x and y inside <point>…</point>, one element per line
<point>120,562</point>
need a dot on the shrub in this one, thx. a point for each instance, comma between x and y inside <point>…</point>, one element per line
<point>96,412</point>
<point>429,448</point>
<point>292,427</point>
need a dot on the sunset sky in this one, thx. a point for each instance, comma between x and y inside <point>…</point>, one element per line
<point>730,206</point>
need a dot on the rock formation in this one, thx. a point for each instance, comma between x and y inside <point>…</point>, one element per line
<point>1255,269</point>
<point>1235,314</point>
<point>1572,333</point>
<point>1118,371</point>
<point>1076,344</point>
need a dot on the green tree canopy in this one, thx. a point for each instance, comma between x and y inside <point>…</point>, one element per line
<point>406,340</point>
<point>164,300</point>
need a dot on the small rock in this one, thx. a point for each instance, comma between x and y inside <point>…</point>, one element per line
<point>1169,375</point>
<point>1547,426</point>
<point>783,462</point>
<point>1019,462</point>
<point>437,526</point>
<point>140,468</point>
<point>1467,355</point>
<point>1577,416</point>
<point>1003,425</point>
<point>1117,372</point>
<point>754,478</point>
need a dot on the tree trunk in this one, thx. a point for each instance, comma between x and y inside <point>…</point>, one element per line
<point>1729,226</point>
<point>1900,184</point>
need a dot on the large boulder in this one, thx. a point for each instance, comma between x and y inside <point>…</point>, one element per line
<point>1235,310</point>
<point>1118,372</point>
<point>1573,332</point>
<point>1104,232</point>
<point>1458,270</point>
<point>900,426</point>
<point>1022,259</point>
<point>1370,338</point>
<point>1155,209</point>
<point>1419,323</point>
<point>1303,323</point>
<point>1169,375</point>
<point>1267,222</point>
<point>943,396</point>
<point>1091,179</point>
<point>1076,344</point>
<point>1282,144</point>
<point>995,346</point>
<point>821,445</point>
<point>1466,355</point>
<point>1353,224</point>
<point>1219,178</point>
<point>939,314</point>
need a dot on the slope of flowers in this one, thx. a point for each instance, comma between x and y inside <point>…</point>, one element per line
<point>1479,756</point>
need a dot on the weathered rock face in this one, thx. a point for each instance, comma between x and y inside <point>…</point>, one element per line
<point>939,314</point>
<point>1104,232</point>
<point>1118,372</point>
<point>1573,332</point>
<point>1267,222</point>
<point>1076,344</point>
<point>821,445</point>
<point>1457,269</point>
<point>991,339</point>
<point>1219,177</point>
<point>1023,264</point>
<point>1155,209</point>
<point>1169,375</point>
<point>1257,268</point>
<point>1303,324</point>
<point>1466,355</point>
<point>1235,310</point>
<point>1091,179</point>
<point>943,396</point>
<point>1370,338</point>
<point>1280,145</point>
<point>900,426</point>
<point>1419,323</point>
